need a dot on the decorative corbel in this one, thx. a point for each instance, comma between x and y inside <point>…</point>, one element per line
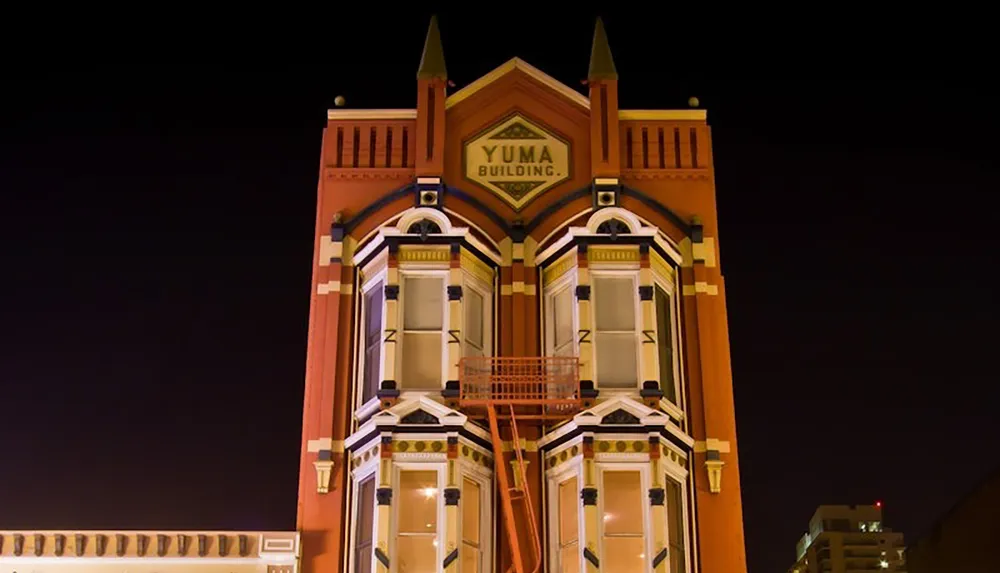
<point>324,471</point>
<point>714,466</point>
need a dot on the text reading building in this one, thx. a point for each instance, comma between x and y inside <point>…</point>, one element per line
<point>518,352</point>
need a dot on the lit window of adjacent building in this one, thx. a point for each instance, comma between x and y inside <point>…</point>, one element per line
<point>417,521</point>
<point>623,527</point>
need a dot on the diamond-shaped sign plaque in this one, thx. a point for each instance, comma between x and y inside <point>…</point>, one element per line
<point>517,159</point>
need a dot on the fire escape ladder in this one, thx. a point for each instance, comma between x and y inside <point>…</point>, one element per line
<point>529,507</point>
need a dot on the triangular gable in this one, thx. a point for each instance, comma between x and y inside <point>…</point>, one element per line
<point>531,71</point>
<point>419,411</point>
<point>621,410</point>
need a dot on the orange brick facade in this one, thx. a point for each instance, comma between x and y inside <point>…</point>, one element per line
<point>650,173</point>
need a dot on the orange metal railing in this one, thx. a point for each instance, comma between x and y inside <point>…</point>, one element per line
<point>519,381</point>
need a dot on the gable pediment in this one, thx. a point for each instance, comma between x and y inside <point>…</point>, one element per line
<point>518,66</point>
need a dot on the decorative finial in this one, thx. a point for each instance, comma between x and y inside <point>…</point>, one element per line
<point>602,64</point>
<point>693,102</point>
<point>339,101</point>
<point>432,61</point>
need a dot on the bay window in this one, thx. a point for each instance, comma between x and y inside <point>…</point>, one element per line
<point>665,343</point>
<point>372,333</point>
<point>562,332</point>
<point>472,530</point>
<point>616,338</point>
<point>675,526</point>
<point>422,341</point>
<point>364,525</point>
<point>417,520</point>
<point>624,510</point>
<point>568,535</point>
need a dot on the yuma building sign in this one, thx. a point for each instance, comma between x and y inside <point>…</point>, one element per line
<point>517,160</point>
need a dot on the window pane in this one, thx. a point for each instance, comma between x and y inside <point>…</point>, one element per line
<point>617,360</point>
<point>417,554</point>
<point>373,364</point>
<point>470,558</point>
<point>373,312</point>
<point>628,553</point>
<point>473,317</point>
<point>569,558</point>
<point>562,318</point>
<point>665,345</point>
<point>423,303</point>
<point>614,303</point>
<point>373,341</point>
<point>623,507</point>
<point>421,363</point>
<point>470,511</point>
<point>675,526</point>
<point>418,500</point>
<point>569,508</point>
<point>363,527</point>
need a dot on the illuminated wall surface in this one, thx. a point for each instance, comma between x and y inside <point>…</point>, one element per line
<point>518,355</point>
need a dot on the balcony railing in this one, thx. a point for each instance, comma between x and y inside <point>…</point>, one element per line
<point>550,381</point>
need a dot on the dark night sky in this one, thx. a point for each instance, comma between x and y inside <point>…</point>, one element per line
<point>158,221</point>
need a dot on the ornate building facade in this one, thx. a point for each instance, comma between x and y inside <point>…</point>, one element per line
<point>518,351</point>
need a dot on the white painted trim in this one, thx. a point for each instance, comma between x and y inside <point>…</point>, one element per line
<point>416,214</point>
<point>539,256</point>
<point>627,217</point>
<point>533,72</point>
<point>362,114</point>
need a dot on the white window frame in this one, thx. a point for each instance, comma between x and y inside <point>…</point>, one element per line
<point>441,468</point>
<point>486,531</point>
<point>472,283</point>
<point>362,473</point>
<point>647,514</point>
<point>410,272</point>
<point>670,289</point>
<point>632,273</point>
<point>361,406</point>
<point>680,477</point>
<point>565,282</point>
<point>563,472</point>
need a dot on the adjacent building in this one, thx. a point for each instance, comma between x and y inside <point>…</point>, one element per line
<point>845,539</point>
<point>966,538</point>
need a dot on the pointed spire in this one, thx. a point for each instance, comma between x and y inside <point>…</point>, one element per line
<point>602,65</point>
<point>432,61</point>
